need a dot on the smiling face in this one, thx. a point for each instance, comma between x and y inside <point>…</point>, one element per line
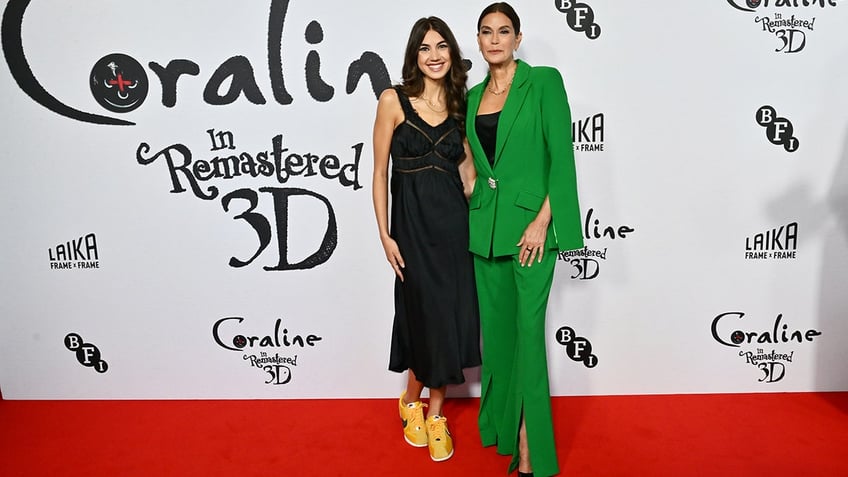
<point>118,83</point>
<point>497,39</point>
<point>434,59</point>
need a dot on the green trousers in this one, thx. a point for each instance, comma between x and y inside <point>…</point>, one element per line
<point>513,300</point>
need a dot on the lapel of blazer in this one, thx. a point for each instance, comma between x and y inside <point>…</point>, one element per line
<point>474,98</point>
<point>514,100</point>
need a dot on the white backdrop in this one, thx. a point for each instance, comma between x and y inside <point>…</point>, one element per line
<point>686,295</point>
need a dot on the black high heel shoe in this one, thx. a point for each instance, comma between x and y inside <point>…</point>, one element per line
<point>525,474</point>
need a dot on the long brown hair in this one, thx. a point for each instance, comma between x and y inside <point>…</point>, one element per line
<point>413,78</point>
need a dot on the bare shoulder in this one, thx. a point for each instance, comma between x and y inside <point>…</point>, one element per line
<point>389,97</point>
<point>389,108</point>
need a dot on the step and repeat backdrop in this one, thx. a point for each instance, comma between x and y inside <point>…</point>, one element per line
<point>186,209</point>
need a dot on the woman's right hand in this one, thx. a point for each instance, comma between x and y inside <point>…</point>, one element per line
<point>393,256</point>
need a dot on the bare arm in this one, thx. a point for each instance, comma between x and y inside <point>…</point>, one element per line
<point>467,171</point>
<point>389,115</point>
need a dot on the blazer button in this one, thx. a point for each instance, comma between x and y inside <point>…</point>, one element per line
<point>493,183</point>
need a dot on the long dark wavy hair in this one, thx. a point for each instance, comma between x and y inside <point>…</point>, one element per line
<point>413,78</point>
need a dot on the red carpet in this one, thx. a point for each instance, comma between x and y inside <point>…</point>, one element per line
<point>683,435</point>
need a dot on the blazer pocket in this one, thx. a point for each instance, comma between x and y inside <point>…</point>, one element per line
<point>529,201</point>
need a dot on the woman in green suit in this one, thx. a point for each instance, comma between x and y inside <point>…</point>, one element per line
<point>522,210</point>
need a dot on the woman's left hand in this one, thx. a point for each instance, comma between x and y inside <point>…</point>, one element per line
<point>532,242</point>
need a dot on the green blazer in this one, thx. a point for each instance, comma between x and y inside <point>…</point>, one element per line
<point>534,159</point>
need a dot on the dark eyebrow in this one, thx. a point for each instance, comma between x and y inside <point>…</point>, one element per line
<point>442,42</point>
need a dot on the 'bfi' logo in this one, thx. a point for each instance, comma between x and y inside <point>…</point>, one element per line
<point>87,354</point>
<point>576,347</point>
<point>580,17</point>
<point>778,130</point>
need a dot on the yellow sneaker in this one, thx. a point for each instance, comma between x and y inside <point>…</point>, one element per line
<point>412,417</point>
<point>440,442</point>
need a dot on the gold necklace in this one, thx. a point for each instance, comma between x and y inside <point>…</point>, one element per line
<point>431,106</point>
<point>498,93</point>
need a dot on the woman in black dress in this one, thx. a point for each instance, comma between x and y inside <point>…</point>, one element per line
<point>436,325</point>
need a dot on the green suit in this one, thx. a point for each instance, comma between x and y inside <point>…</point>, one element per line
<point>534,159</point>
